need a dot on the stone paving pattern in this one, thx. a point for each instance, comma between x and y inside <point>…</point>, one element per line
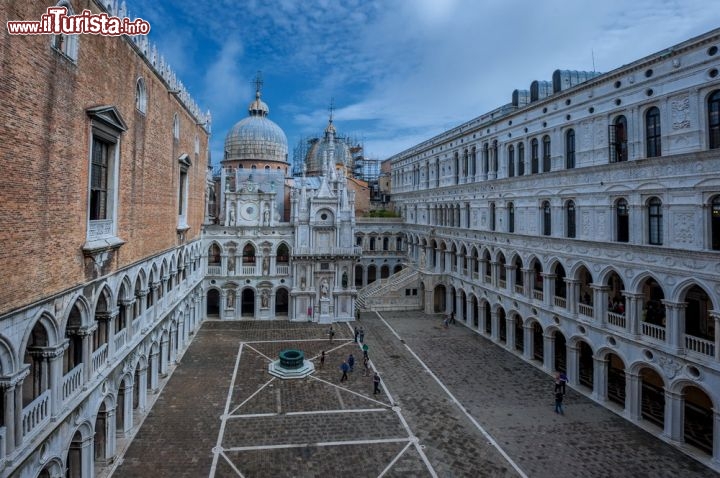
<point>511,399</point>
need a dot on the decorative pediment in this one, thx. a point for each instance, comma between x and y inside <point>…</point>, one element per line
<point>109,116</point>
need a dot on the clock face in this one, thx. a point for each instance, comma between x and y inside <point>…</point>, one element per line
<point>248,212</point>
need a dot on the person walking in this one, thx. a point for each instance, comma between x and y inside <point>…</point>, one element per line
<point>322,359</point>
<point>563,382</point>
<point>351,362</point>
<point>344,367</point>
<point>452,318</point>
<point>558,403</point>
<point>361,335</point>
<point>357,332</point>
<point>366,365</point>
<point>376,384</point>
<point>331,333</point>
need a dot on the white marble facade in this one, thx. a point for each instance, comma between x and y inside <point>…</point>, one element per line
<point>581,227</point>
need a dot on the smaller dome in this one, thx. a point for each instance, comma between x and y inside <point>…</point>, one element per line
<point>258,107</point>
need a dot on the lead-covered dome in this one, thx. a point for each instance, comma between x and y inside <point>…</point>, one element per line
<point>331,147</point>
<point>256,137</point>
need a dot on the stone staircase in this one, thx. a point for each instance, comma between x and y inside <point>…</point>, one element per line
<point>383,286</point>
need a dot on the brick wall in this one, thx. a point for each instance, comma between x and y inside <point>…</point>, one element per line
<point>44,148</point>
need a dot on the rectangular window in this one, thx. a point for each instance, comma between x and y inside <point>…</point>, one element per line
<point>181,193</point>
<point>99,179</point>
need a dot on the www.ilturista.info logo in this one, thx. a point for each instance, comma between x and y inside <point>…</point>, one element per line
<point>57,22</point>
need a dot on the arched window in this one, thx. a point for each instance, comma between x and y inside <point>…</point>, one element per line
<point>66,44</point>
<point>141,96</point>
<point>622,223</point>
<point>570,149</point>
<point>618,140</point>
<point>511,217</point>
<point>652,132</point>
<point>521,159</point>
<point>714,119</point>
<point>547,161</point>
<point>715,223</point>
<point>486,158</point>
<point>534,160</point>
<point>570,218</point>
<point>176,127</point>
<point>655,226</point>
<point>267,168</point>
<point>492,216</point>
<point>547,218</point>
<point>495,156</point>
<point>511,161</point>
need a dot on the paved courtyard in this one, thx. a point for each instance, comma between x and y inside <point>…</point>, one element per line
<point>452,405</point>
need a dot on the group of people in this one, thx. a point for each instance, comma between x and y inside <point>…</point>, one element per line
<point>349,364</point>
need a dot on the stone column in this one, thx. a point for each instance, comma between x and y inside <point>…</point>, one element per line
<point>154,363</point>
<point>84,451</point>
<point>600,300</point>
<point>528,281</point>
<point>495,325</point>
<point>549,352</point>
<point>715,315</point>
<point>511,276</point>
<point>573,295</point>
<point>55,368</point>
<point>495,273</point>
<point>223,304</point>
<point>12,414</point>
<point>600,373</point>
<point>572,353</point>
<point>633,312</point>
<point>716,433</point>
<point>510,331</point>
<point>548,289</point>
<point>633,396</point>
<point>482,318</point>
<point>469,309</point>
<point>154,291</point>
<point>674,416</point>
<point>675,325</point>
<point>528,341</point>
<point>142,387</point>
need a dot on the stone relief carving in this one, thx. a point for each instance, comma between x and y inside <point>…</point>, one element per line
<point>669,366</point>
<point>683,227</point>
<point>680,112</point>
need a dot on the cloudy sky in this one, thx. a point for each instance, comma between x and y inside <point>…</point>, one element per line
<point>399,71</point>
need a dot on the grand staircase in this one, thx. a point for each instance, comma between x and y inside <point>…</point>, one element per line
<point>407,275</point>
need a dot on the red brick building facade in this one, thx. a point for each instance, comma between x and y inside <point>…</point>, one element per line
<point>102,197</point>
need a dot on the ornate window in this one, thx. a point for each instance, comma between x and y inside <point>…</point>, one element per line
<point>622,223</point>
<point>534,156</point>
<point>492,216</point>
<point>66,44</point>
<point>570,218</point>
<point>184,163</point>
<point>107,127</point>
<point>511,217</point>
<point>617,134</point>
<point>176,127</point>
<point>486,158</point>
<point>714,119</point>
<point>547,218</point>
<point>547,159</point>
<point>655,226</point>
<point>570,149</point>
<point>715,223</point>
<point>511,161</point>
<point>140,96</point>
<point>652,132</point>
<point>521,159</point>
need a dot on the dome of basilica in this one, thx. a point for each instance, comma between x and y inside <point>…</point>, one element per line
<point>329,146</point>
<point>256,137</point>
